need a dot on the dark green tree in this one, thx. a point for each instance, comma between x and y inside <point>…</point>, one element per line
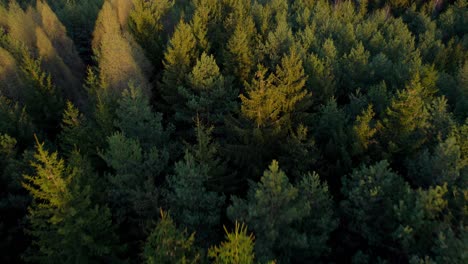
<point>282,216</point>
<point>167,244</point>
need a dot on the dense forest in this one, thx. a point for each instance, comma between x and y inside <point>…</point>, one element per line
<point>233,131</point>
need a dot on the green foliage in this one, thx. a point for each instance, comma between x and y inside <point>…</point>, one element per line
<point>296,231</point>
<point>179,59</point>
<point>192,203</point>
<point>75,132</point>
<point>402,219</point>
<point>444,165</point>
<point>237,249</point>
<point>336,87</point>
<point>66,225</point>
<point>136,119</point>
<point>374,191</point>
<point>208,95</point>
<point>167,244</point>
<point>407,117</point>
<point>145,22</point>
<point>43,99</point>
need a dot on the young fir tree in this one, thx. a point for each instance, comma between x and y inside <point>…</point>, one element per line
<point>179,58</point>
<point>274,107</point>
<point>406,120</point>
<point>67,226</point>
<point>194,206</point>
<point>136,119</point>
<point>282,216</point>
<point>238,247</point>
<point>76,133</point>
<point>167,244</point>
<point>240,54</point>
<point>207,95</point>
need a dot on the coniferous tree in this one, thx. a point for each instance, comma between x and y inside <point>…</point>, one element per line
<point>167,244</point>
<point>207,95</point>
<point>120,59</point>
<point>406,120</point>
<point>66,225</point>
<point>287,235</point>
<point>191,202</point>
<point>237,249</point>
<point>272,105</point>
<point>240,55</point>
<point>75,132</point>
<point>138,158</point>
<point>179,59</point>
<point>147,26</point>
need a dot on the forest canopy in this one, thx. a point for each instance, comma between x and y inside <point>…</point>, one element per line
<point>234,131</point>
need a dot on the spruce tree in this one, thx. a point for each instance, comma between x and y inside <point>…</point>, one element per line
<point>66,225</point>
<point>282,216</point>
<point>238,247</point>
<point>167,244</point>
<point>192,204</point>
<point>207,95</point>
<point>406,120</point>
<point>240,55</point>
<point>179,58</point>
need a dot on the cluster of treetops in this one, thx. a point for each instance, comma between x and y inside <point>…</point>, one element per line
<point>233,131</point>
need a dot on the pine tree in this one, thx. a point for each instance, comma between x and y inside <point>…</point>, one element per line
<point>444,164</point>
<point>237,249</point>
<point>364,130</point>
<point>136,119</point>
<point>192,204</point>
<point>281,215</point>
<point>67,226</point>
<point>208,95</point>
<point>278,97</point>
<point>67,59</point>
<point>407,119</point>
<point>75,132</point>
<point>167,244</point>
<point>278,42</point>
<point>138,155</point>
<point>35,88</point>
<point>240,55</point>
<point>179,58</point>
